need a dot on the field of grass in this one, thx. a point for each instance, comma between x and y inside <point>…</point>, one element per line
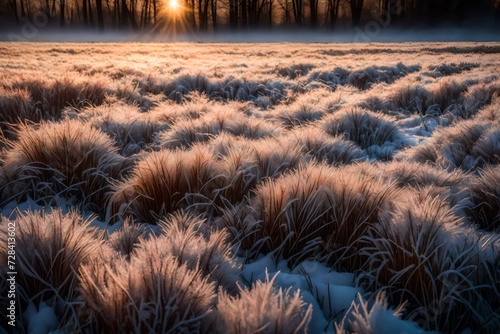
<point>251,188</point>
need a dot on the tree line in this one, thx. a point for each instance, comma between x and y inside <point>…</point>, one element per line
<point>210,15</point>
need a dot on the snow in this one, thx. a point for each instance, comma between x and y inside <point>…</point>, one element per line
<point>329,292</point>
<point>384,321</point>
<point>332,294</point>
<point>324,274</point>
<point>41,320</point>
<point>11,209</point>
<point>256,270</point>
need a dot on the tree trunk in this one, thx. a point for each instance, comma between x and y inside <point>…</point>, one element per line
<point>333,12</point>
<point>62,22</point>
<point>85,14</point>
<point>112,13</point>
<point>192,14</point>
<point>100,16</point>
<point>131,15</point>
<point>91,14</point>
<point>154,11</point>
<point>313,8</point>
<point>244,14</point>
<point>356,10</point>
<point>270,13</point>
<point>233,14</point>
<point>144,14</point>
<point>13,7</point>
<point>214,14</point>
<point>205,13</point>
<point>124,15</point>
<point>297,11</point>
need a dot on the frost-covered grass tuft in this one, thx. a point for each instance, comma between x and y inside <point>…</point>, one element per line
<point>444,97</point>
<point>127,237</point>
<point>16,106</point>
<point>422,253</point>
<point>52,96</point>
<point>452,186</point>
<point>293,71</point>
<point>467,145</point>
<point>165,181</point>
<point>49,248</point>
<point>332,150</point>
<point>67,159</point>
<point>188,239</point>
<point>243,163</point>
<point>485,198</point>
<point>410,99</point>
<point>188,132</point>
<point>479,96</point>
<point>317,211</point>
<point>263,309</point>
<point>131,130</point>
<point>364,79</point>
<point>148,293</point>
<point>376,133</point>
<point>450,69</point>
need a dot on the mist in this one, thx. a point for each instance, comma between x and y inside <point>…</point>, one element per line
<point>369,34</point>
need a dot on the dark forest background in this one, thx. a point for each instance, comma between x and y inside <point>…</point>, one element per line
<point>213,15</point>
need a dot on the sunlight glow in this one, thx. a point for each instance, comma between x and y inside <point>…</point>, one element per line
<point>174,5</point>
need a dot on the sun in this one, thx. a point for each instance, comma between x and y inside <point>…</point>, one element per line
<point>174,5</point>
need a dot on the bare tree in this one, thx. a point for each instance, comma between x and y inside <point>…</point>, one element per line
<point>286,7</point>
<point>213,7</point>
<point>85,14</point>
<point>255,9</point>
<point>313,9</point>
<point>298,9</point>
<point>270,12</point>
<point>233,14</point>
<point>13,7</point>
<point>100,16</point>
<point>62,21</point>
<point>332,10</point>
<point>356,10</point>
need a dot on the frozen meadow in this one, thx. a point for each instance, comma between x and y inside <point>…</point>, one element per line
<point>251,188</point>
